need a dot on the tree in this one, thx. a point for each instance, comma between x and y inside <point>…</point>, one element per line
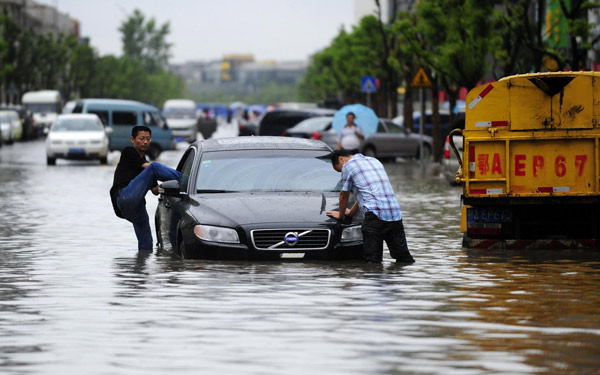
<point>145,42</point>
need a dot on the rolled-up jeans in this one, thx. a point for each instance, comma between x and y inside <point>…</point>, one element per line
<point>375,231</point>
<point>132,204</point>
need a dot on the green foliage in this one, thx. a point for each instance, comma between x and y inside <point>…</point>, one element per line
<point>145,42</point>
<point>33,62</point>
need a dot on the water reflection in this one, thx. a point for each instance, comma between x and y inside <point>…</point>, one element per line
<point>77,296</point>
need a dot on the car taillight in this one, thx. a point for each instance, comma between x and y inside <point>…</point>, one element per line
<point>316,135</point>
<point>284,134</point>
<point>447,148</point>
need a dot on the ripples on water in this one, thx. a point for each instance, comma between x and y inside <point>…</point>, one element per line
<point>76,297</point>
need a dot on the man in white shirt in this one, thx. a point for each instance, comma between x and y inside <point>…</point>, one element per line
<point>350,136</point>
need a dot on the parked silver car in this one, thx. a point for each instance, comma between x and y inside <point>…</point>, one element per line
<point>392,140</point>
<point>10,126</point>
<point>318,128</point>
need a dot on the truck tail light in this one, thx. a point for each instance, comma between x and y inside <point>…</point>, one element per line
<point>447,148</point>
<point>484,229</point>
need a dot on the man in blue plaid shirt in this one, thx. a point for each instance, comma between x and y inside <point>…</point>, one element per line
<point>375,197</point>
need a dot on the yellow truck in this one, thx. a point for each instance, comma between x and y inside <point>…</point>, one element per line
<point>530,165</point>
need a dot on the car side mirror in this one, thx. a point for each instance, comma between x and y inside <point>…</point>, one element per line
<point>108,130</point>
<point>170,188</point>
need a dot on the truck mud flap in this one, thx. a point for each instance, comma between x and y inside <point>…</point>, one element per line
<point>498,244</point>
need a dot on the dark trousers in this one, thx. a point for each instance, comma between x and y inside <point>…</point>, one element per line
<point>375,231</point>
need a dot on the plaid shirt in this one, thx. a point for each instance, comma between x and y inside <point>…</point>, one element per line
<point>366,177</point>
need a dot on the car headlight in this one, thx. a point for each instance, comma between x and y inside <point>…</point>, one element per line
<point>352,234</point>
<point>216,234</point>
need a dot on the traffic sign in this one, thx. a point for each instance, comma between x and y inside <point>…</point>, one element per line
<point>421,79</point>
<point>368,84</point>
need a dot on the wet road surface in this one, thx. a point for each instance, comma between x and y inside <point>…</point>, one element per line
<point>77,297</point>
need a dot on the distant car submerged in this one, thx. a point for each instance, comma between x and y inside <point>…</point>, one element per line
<point>255,197</point>
<point>77,136</point>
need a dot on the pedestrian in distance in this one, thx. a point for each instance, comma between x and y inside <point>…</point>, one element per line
<point>350,136</point>
<point>366,177</point>
<point>134,176</point>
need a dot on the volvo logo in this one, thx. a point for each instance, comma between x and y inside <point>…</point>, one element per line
<point>291,238</point>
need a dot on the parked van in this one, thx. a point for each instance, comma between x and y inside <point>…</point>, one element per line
<point>45,105</point>
<point>122,116</point>
<point>181,115</point>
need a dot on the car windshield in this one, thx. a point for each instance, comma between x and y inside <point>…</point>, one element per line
<point>41,107</point>
<point>77,125</point>
<point>179,113</point>
<point>312,125</point>
<point>266,170</point>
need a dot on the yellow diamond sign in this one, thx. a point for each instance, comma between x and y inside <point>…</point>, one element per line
<point>421,79</point>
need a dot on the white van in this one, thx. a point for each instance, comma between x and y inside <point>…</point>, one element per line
<point>45,105</point>
<point>182,119</point>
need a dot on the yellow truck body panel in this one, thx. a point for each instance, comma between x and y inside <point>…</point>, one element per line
<point>531,143</point>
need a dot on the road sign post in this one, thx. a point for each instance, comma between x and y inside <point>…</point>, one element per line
<point>368,85</point>
<point>422,81</point>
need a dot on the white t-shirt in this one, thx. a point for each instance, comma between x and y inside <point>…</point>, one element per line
<point>348,138</point>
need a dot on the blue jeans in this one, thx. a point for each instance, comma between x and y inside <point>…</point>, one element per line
<point>133,206</point>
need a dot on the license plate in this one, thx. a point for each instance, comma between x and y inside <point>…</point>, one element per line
<point>76,150</point>
<point>489,215</point>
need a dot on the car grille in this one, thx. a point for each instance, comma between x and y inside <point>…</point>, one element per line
<point>290,239</point>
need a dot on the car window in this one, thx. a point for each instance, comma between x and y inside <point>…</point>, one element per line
<point>381,128</point>
<point>393,128</point>
<point>185,167</point>
<point>77,125</point>
<point>78,108</point>
<point>311,125</point>
<point>266,171</point>
<point>102,115</point>
<point>124,118</point>
<point>154,119</point>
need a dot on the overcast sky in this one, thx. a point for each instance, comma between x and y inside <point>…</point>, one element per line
<point>207,29</point>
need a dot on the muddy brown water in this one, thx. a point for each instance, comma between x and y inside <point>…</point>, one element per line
<point>77,297</point>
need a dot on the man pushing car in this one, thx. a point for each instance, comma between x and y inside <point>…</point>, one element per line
<point>367,178</point>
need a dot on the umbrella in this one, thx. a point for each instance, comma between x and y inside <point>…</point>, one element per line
<point>365,118</point>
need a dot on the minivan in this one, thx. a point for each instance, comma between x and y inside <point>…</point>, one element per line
<point>122,116</point>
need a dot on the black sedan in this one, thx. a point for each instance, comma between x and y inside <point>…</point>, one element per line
<point>255,197</point>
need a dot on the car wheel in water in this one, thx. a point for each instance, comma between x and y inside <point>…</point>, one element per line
<point>182,250</point>
<point>104,160</point>
<point>153,151</point>
<point>426,152</point>
<point>51,161</point>
<point>370,151</point>
<point>159,239</point>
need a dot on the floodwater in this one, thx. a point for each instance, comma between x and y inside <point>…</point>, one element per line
<point>76,296</point>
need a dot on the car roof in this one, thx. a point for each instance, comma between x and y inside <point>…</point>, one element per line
<point>117,102</point>
<point>91,116</point>
<point>261,143</point>
<point>318,111</point>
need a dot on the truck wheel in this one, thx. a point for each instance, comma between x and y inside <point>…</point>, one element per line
<point>51,161</point>
<point>153,151</point>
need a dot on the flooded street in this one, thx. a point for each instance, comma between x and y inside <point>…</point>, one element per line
<point>77,297</point>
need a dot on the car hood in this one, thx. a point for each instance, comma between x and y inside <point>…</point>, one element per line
<point>178,123</point>
<point>232,209</point>
<point>76,136</point>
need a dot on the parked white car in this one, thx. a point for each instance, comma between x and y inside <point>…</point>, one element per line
<point>10,126</point>
<point>182,118</point>
<point>77,136</point>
